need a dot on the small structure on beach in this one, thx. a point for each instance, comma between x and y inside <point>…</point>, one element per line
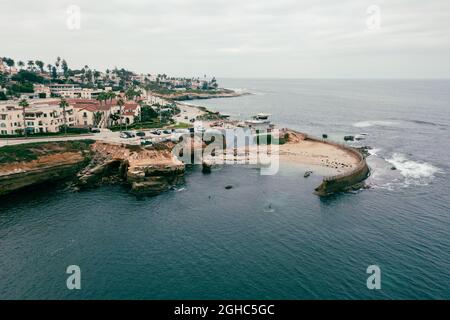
<point>259,122</point>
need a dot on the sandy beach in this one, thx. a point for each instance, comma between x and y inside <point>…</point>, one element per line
<point>320,157</point>
<point>329,158</point>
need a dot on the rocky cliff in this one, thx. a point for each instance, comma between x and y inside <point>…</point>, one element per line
<point>28,165</point>
<point>147,171</point>
<point>181,96</point>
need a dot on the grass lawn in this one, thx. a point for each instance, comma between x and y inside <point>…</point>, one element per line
<point>180,125</point>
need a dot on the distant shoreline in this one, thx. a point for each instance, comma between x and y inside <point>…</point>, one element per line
<point>184,96</point>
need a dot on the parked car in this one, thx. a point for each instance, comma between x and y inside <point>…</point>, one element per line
<point>167,131</point>
<point>131,134</point>
<point>140,134</point>
<point>95,130</point>
<point>125,135</point>
<point>181,131</point>
<point>146,143</point>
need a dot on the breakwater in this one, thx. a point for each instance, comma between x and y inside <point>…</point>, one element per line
<point>351,179</point>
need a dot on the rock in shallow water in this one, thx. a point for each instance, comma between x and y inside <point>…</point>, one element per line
<point>349,138</point>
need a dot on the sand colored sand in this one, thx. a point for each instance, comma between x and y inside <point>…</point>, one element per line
<point>319,154</point>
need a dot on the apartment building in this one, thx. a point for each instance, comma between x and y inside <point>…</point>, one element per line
<point>11,120</point>
<point>45,117</point>
<point>40,89</point>
<point>61,89</point>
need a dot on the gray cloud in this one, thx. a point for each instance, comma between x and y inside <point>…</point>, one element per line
<point>254,38</point>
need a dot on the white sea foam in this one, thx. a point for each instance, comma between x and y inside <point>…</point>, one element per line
<point>240,90</point>
<point>374,151</point>
<point>414,172</point>
<point>371,123</point>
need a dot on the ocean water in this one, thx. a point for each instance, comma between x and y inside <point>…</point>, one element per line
<point>268,237</point>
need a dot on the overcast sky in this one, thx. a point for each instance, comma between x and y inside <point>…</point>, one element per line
<point>236,38</point>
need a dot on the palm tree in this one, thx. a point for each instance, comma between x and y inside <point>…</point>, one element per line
<point>130,93</point>
<point>104,96</point>
<point>24,104</point>
<point>58,61</point>
<point>100,97</point>
<point>114,117</point>
<point>97,118</point>
<point>120,103</point>
<point>30,65</point>
<point>20,64</point>
<point>63,104</point>
<point>40,65</point>
<point>138,93</point>
<point>141,104</point>
<point>111,95</point>
<point>49,67</point>
<point>9,62</point>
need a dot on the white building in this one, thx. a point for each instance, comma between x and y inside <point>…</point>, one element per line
<point>11,119</point>
<point>60,89</point>
<point>39,118</point>
<point>81,93</point>
<point>40,89</point>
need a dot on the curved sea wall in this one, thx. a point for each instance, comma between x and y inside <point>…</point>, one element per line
<point>349,180</point>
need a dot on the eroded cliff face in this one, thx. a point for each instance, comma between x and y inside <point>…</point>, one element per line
<point>46,168</point>
<point>148,171</point>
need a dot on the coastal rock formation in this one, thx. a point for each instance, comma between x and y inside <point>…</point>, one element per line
<point>148,171</point>
<point>349,138</point>
<point>39,164</point>
<point>182,96</point>
<point>153,169</point>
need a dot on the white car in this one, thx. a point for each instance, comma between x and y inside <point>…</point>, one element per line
<point>181,131</point>
<point>125,135</point>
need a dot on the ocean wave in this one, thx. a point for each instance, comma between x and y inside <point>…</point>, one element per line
<point>429,123</point>
<point>371,123</point>
<point>374,151</point>
<point>414,172</point>
<point>240,90</point>
<point>423,122</point>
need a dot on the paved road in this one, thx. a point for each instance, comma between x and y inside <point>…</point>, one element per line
<point>109,136</point>
<point>105,135</point>
<point>187,111</point>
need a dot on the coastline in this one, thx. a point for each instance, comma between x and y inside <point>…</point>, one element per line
<point>185,96</point>
<point>341,167</point>
<point>154,170</point>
